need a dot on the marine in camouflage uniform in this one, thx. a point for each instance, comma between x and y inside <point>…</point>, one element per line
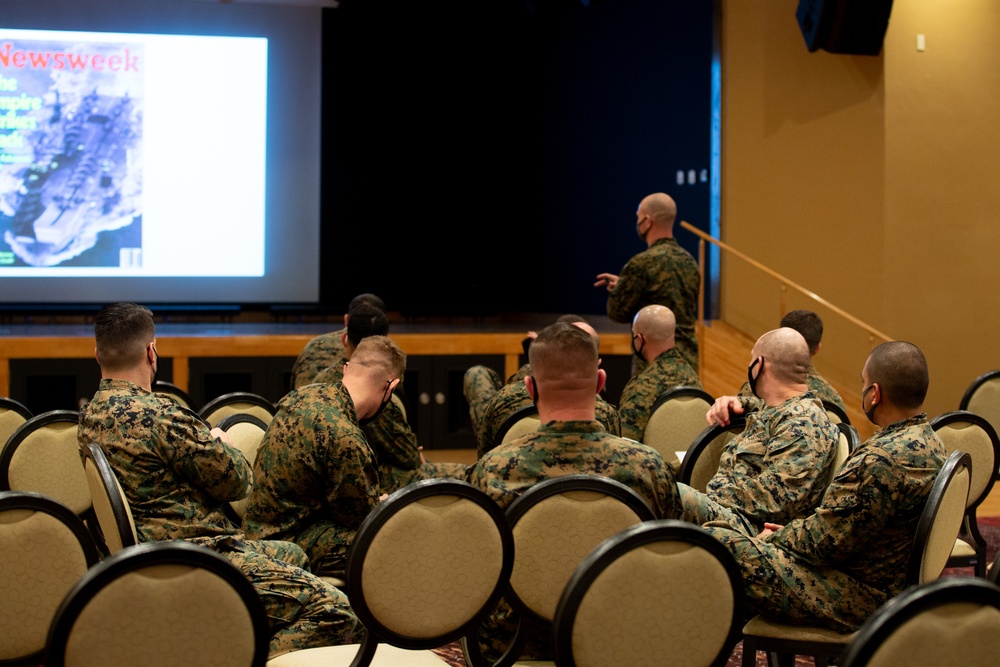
<point>315,478</point>
<point>774,471</point>
<point>177,477</point>
<point>319,353</point>
<point>820,388</point>
<point>667,274</point>
<point>838,565</point>
<point>394,444</point>
<point>512,397</point>
<point>668,370</point>
<point>564,448</point>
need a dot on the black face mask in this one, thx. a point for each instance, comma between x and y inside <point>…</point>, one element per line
<point>386,397</point>
<point>638,352</point>
<point>870,412</point>
<point>751,380</point>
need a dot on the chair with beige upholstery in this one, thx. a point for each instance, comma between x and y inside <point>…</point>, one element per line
<point>12,414</point>
<point>44,549</point>
<point>972,433</point>
<point>234,402</point>
<point>556,523</point>
<point>982,397</point>
<point>836,413</point>
<point>160,604</point>
<point>937,527</point>
<point>247,432</point>
<point>522,421</point>
<point>110,504</point>
<point>424,568</point>
<point>171,390</point>
<point>675,420</point>
<point>43,456</point>
<point>657,594</point>
<point>954,620</point>
<point>701,461</point>
<point>849,441</point>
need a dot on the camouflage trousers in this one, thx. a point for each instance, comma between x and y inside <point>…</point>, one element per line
<point>303,610</point>
<point>479,384</point>
<point>782,587</point>
<point>326,544</point>
<point>392,478</point>
<point>698,508</point>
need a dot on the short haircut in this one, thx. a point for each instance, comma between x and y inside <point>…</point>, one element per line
<point>382,353</point>
<point>369,298</point>
<point>807,323</point>
<point>570,318</point>
<point>900,369</point>
<point>563,350</point>
<point>786,353</point>
<point>366,320</point>
<point>122,331</point>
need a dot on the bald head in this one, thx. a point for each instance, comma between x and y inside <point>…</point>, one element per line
<point>655,323</point>
<point>661,208</point>
<point>786,355</point>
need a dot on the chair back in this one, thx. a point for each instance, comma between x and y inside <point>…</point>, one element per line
<point>247,432</point>
<point>12,415</point>
<point>982,397</point>
<point>836,413</point>
<point>161,604</point>
<point>947,621</point>
<point>170,390</point>
<point>522,421</point>
<point>111,507</point>
<point>849,441</point>
<point>657,594</point>
<point>43,456</point>
<point>961,430</point>
<point>44,549</point>
<point>940,519</point>
<point>237,401</point>
<point>675,420</point>
<point>702,458</point>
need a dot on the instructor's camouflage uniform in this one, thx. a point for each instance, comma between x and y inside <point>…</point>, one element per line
<point>820,388</point>
<point>314,478</point>
<point>665,274</point>
<point>775,471</point>
<point>394,443</point>
<point>838,565</point>
<point>318,354</point>
<point>565,448</point>
<point>177,476</point>
<point>665,372</point>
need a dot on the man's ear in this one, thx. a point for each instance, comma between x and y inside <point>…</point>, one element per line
<point>343,338</point>
<point>602,377</point>
<point>529,384</point>
<point>393,385</point>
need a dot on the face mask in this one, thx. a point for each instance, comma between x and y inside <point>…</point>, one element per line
<point>751,380</point>
<point>638,225</point>
<point>386,397</point>
<point>638,352</point>
<point>870,412</point>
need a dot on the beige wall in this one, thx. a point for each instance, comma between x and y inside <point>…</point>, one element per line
<point>872,181</point>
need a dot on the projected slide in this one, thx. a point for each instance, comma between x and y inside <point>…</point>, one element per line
<point>131,155</point>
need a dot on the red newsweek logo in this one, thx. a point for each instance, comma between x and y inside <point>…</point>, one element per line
<point>18,58</point>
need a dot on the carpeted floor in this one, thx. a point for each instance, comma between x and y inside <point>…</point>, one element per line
<point>988,526</point>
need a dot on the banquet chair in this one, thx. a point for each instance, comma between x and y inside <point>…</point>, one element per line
<point>111,507</point>
<point>947,621</point>
<point>972,433</point>
<point>937,527</point>
<point>160,604</point>
<point>982,397</point>
<point>237,401</point>
<point>171,390</point>
<point>701,460</point>
<point>848,441</point>
<point>247,432</point>
<point>424,569</point>
<point>44,549</point>
<point>658,594</point>
<point>522,421</point>
<point>555,524</point>
<point>675,420</point>
<point>12,414</point>
<point>836,413</point>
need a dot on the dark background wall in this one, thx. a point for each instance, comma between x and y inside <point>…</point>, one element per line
<point>488,157</point>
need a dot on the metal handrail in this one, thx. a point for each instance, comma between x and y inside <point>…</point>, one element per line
<point>873,333</point>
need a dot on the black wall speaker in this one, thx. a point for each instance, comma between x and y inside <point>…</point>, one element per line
<point>844,26</point>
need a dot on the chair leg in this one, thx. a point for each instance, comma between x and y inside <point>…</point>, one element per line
<point>776,659</point>
<point>749,653</point>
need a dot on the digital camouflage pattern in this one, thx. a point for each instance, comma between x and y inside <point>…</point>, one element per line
<point>479,385</point>
<point>513,397</point>
<point>774,471</point>
<point>177,477</point>
<point>838,565</point>
<point>319,353</point>
<point>315,478</point>
<point>333,373</point>
<point>665,274</point>
<point>820,388</point>
<point>670,369</point>
<point>565,448</point>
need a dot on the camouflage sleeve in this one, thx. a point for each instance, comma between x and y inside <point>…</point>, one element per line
<point>633,282</point>
<point>634,409</point>
<point>608,416</point>
<point>207,463</point>
<point>392,440</point>
<point>353,485</point>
